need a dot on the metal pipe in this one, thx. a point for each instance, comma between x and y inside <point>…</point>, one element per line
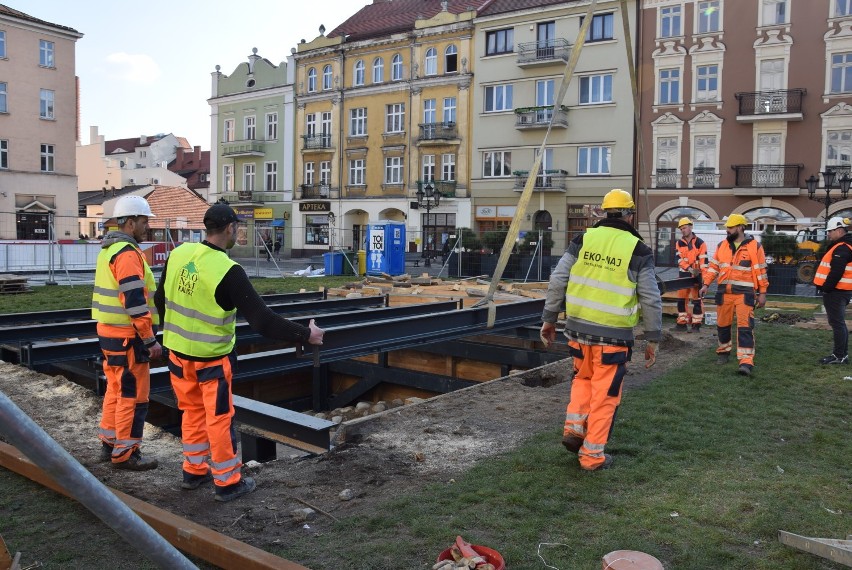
<point>26,435</point>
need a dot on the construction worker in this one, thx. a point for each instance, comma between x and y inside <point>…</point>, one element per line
<point>605,275</point>
<point>834,280</point>
<point>740,267</point>
<point>122,305</point>
<point>691,261</point>
<point>201,289</point>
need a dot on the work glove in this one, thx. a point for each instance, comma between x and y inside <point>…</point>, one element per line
<point>650,353</point>
<point>695,272</point>
<point>548,334</point>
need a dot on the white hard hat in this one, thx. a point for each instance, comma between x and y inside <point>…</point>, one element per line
<point>837,222</point>
<point>132,205</point>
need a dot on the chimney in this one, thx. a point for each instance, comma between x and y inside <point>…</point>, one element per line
<point>179,157</point>
<point>196,153</point>
<point>143,139</point>
<point>93,134</point>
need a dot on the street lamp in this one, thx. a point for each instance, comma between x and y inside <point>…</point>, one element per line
<point>428,198</point>
<point>829,178</point>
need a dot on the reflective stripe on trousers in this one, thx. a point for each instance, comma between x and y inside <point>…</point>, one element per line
<point>684,317</point>
<point>741,305</point>
<point>595,396</point>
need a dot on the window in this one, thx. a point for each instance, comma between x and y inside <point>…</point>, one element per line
<point>396,68</point>
<point>705,152</point>
<point>395,118</point>
<point>359,73</point>
<point>325,172</point>
<point>2,44</point>
<point>393,170</point>
<point>312,80</point>
<point>316,230</point>
<point>311,124</point>
<point>670,21</point>
<point>429,106</point>
<point>325,128</point>
<point>431,67</point>
<point>46,98</point>
<point>496,164</point>
<point>774,12</point>
<point>249,129</point>
<point>356,172</point>
<point>498,98</point>
<point>228,178</point>
<point>248,176</point>
<point>48,155</point>
<point>449,109</point>
<point>428,162</point>
<point>229,130</point>
<point>310,171</point>
<point>499,41</point>
<point>378,70</point>
<point>667,156</point>
<point>451,59</point>
<point>839,149</point>
<point>4,154</point>
<point>596,89</point>
<point>448,166</point>
<point>271,171</point>
<point>326,78</point>
<point>358,122</point>
<point>841,72</point>
<point>669,86</point>
<point>3,93</point>
<point>600,29</point>
<point>708,16</point>
<point>841,8</point>
<point>593,160</point>
<point>706,82</point>
<point>45,53</point>
<point>271,126</point>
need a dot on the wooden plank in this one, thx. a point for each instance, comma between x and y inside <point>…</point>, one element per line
<point>839,551</point>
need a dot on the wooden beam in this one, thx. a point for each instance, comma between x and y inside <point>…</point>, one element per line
<point>839,551</point>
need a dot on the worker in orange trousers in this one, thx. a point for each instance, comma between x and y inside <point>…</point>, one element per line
<point>691,262</point>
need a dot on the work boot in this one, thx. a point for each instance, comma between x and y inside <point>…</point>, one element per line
<point>230,492</point>
<point>696,327</point>
<point>832,359</point>
<point>745,369</point>
<point>680,328</point>
<point>608,459</point>
<point>106,452</point>
<point>572,443</point>
<point>136,462</point>
<point>723,357</point>
<point>191,482</point>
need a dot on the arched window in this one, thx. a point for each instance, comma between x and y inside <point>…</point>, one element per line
<point>326,78</point>
<point>359,73</point>
<point>312,80</point>
<point>774,219</point>
<point>668,234</point>
<point>396,68</point>
<point>431,61</point>
<point>451,59</point>
<point>378,70</point>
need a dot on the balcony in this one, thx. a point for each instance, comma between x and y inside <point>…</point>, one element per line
<point>543,52</point>
<point>666,178</point>
<point>785,105</point>
<point>243,148</point>
<point>438,132</point>
<point>550,181</point>
<point>539,117</point>
<point>320,142</point>
<point>704,177</point>
<point>761,179</point>
<point>447,188</point>
<point>253,197</point>
<point>316,191</point>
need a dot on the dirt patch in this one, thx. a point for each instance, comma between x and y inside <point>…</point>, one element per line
<point>377,457</point>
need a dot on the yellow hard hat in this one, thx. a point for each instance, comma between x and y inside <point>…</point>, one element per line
<point>617,199</point>
<point>736,220</point>
<point>684,222</point>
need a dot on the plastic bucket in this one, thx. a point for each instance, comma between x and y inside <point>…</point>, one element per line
<point>491,556</point>
<point>710,318</point>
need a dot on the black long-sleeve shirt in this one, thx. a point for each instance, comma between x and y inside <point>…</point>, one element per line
<point>840,258</point>
<point>236,291</point>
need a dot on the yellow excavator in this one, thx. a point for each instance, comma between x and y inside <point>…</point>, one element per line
<point>807,255</point>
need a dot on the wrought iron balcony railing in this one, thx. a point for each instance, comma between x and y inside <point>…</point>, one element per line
<point>543,51</point>
<point>316,190</point>
<point>667,177</point>
<point>438,131</point>
<point>447,188</point>
<point>538,117</point>
<point>767,175</point>
<point>703,177</point>
<point>781,102</point>
<point>551,180</point>
<point>321,141</point>
<point>243,148</point>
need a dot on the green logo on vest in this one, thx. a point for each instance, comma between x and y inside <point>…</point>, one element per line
<point>188,279</point>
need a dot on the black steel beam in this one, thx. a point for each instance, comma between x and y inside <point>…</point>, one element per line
<point>495,354</point>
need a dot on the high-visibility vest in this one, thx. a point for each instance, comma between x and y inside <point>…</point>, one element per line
<point>691,253</point>
<point>106,304</point>
<point>744,270</point>
<point>845,283</point>
<point>599,290</point>
<point>195,325</point>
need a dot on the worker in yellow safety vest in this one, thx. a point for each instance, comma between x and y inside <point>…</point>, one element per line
<point>691,261</point>
<point>604,277</point>
<point>834,280</point>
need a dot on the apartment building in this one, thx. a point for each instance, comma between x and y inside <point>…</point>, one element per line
<point>38,128</point>
<point>251,162</point>
<point>744,101</point>
<point>384,111</point>
<point>521,52</point>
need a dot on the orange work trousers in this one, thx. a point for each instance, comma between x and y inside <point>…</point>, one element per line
<point>595,395</point>
<point>203,391</point>
<point>684,298</point>
<point>125,404</point>
<point>741,305</point>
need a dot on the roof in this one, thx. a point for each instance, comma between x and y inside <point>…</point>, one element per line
<point>171,202</point>
<point>502,6</point>
<point>128,145</point>
<point>6,11</point>
<point>387,17</point>
<point>94,197</point>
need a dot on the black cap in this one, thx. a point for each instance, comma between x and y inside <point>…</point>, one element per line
<point>219,216</point>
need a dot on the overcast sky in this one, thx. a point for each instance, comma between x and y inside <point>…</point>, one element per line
<point>145,67</point>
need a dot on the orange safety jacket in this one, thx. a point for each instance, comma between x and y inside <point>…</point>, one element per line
<point>845,282</point>
<point>740,271</point>
<point>691,253</point>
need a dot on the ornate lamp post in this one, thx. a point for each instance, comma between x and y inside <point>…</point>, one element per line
<point>428,198</point>
<point>829,179</point>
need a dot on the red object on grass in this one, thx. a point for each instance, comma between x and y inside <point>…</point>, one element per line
<point>491,556</point>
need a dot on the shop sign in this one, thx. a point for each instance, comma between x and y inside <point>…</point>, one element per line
<point>263,213</point>
<point>314,206</point>
<point>244,213</point>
